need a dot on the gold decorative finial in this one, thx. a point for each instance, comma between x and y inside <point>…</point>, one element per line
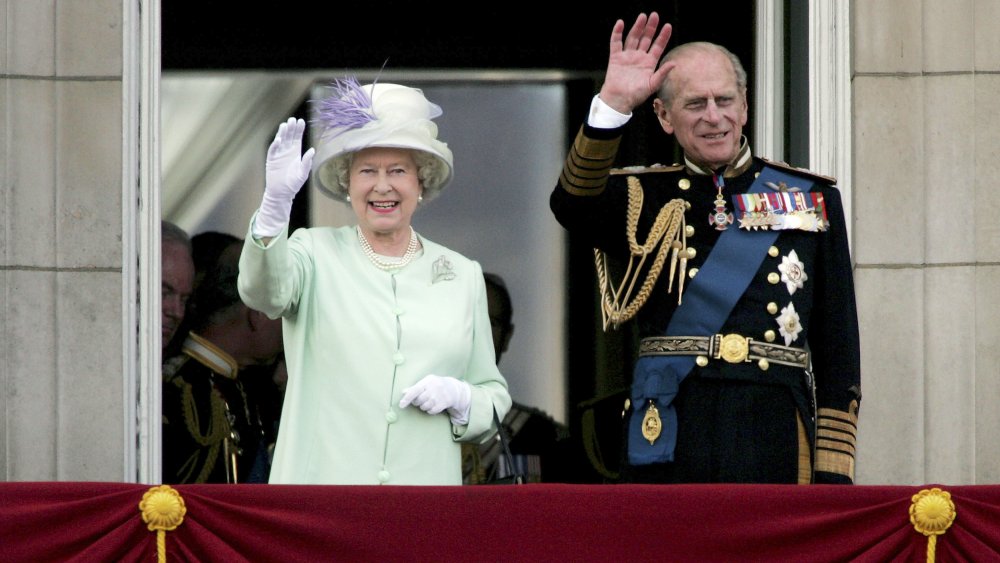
<point>932,513</point>
<point>162,510</point>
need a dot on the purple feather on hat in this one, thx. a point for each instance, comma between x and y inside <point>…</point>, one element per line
<point>348,107</point>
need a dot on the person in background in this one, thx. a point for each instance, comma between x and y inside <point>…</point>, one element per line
<point>213,429</point>
<point>262,383</point>
<point>537,441</point>
<point>204,249</point>
<point>737,271</point>
<point>177,280</point>
<point>389,361</point>
<point>208,247</point>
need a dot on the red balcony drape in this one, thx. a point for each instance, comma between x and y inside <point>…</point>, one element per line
<point>94,521</point>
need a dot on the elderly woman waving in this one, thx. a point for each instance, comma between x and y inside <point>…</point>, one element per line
<point>387,337</point>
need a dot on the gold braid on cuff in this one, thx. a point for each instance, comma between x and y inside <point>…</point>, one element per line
<point>836,440</point>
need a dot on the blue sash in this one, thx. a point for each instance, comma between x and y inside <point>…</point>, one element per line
<point>707,303</point>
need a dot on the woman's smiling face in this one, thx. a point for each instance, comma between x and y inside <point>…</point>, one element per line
<point>384,186</point>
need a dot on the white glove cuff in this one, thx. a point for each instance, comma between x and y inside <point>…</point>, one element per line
<point>459,412</point>
<point>603,116</point>
<point>272,217</point>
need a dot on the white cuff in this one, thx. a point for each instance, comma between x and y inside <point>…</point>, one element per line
<point>603,116</point>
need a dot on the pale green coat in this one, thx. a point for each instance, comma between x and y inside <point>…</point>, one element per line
<point>355,338</point>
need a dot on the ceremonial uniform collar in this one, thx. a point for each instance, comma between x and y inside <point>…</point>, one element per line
<point>211,356</point>
<point>738,166</point>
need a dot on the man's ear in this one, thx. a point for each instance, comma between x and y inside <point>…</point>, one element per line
<point>744,114</point>
<point>663,116</point>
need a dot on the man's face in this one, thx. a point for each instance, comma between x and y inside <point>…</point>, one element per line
<point>708,110</point>
<point>177,282</point>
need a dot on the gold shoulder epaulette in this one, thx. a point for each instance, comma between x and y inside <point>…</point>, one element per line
<point>801,171</point>
<point>646,169</point>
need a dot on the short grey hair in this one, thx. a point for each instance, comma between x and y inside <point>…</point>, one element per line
<point>666,93</point>
<point>431,170</point>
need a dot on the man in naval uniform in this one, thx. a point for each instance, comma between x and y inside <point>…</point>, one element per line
<point>213,431</point>
<point>736,270</point>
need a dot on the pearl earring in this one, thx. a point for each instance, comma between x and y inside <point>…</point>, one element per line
<point>348,199</point>
<point>420,198</point>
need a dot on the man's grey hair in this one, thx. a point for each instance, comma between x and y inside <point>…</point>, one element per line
<point>666,93</point>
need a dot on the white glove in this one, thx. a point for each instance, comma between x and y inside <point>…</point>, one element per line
<point>286,171</point>
<point>435,393</point>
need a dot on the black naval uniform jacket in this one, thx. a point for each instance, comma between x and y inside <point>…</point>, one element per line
<point>744,422</point>
<point>207,418</point>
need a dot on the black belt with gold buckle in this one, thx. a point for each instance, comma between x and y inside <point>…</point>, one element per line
<point>733,348</point>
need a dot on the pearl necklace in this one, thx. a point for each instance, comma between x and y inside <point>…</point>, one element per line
<point>382,264</point>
